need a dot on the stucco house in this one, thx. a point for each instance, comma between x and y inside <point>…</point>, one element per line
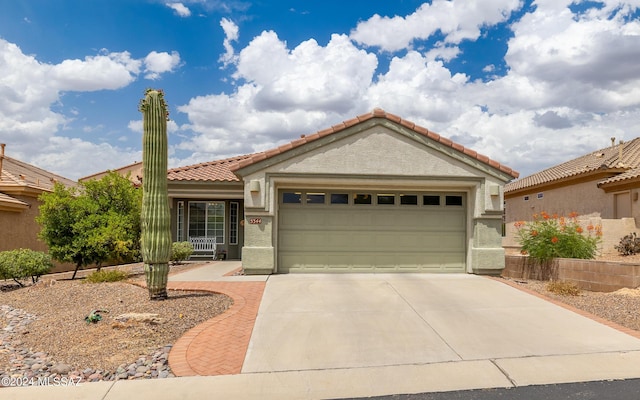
<point>375,193</point>
<point>601,187</point>
<point>20,186</point>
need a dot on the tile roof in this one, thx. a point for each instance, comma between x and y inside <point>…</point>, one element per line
<point>8,200</point>
<point>607,159</point>
<point>633,173</point>
<point>17,174</point>
<point>376,113</point>
<point>218,170</point>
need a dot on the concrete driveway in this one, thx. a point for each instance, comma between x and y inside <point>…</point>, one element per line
<point>320,322</point>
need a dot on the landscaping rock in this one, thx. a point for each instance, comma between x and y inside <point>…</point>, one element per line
<point>147,318</point>
<point>24,363</point>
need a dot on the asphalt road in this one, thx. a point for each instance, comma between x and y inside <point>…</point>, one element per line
<point>599,390</point>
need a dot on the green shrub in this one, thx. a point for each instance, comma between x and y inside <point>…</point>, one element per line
<point>563,288</point>
<point>181,251</point>
<point>113,275</point>
<point>548,237</point>
<point>629,245</point>
<point>24,263</point>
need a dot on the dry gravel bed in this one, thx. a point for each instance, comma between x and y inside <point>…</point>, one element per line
<point>61,332</point>
<point>621,306</point>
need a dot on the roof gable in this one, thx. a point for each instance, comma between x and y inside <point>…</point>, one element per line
<point>612,160</point>
<point>308,140</point>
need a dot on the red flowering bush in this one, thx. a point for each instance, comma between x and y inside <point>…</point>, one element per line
<point>549,236</point>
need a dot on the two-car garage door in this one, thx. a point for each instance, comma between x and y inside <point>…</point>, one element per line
<point>367,231</point>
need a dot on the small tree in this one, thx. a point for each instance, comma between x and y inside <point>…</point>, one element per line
<point>96,223</point>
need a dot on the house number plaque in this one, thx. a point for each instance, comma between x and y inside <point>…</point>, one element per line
<point>255,221</point>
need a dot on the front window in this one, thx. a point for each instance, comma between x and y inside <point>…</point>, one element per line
<point>180,222</point>
<point>206,219</point>
<point>233,222</point>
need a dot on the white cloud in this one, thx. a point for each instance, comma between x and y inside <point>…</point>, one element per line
<point>332,78</point>
<point>158,63</point>
<point>109,71</point>
<point>74,158</point>
<point>421,88</point>
<point>231,33</point>
<point>457,20</point>
<point>180,9</point>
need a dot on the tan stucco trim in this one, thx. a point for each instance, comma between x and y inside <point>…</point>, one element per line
<point>628,184</point>
<point>210,190</point>
<point>13,207</point>
<point>22,190</point>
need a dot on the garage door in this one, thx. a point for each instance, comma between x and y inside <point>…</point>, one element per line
<point>334,231</point>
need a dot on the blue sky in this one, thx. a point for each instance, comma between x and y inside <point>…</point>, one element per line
<point>529,83</point>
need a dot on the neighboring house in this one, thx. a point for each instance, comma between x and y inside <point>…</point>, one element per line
<point>373,194</point>
<point>133,171</point>
<point>20,186</point>
<point>601,187</point>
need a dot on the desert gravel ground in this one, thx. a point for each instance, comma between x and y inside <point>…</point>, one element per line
<point>61,331</point>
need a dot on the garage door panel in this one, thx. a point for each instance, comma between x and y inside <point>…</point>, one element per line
<point>371,238</point>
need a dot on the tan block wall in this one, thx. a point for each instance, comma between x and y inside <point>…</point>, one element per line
<point>596,276</point>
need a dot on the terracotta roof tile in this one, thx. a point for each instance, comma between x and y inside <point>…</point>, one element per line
<point>20,174</point>
<point>603,159</point>
<point>407,124</point>
<point>351,122</point>
<point>376,113</point>
<point>209,171</point>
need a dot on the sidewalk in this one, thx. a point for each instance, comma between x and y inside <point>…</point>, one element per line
<point>325,336</point>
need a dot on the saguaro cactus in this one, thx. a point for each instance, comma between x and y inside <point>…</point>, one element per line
<point>156,221</point>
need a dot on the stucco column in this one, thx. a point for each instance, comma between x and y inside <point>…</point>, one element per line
<point>258,255</point>
<point>487,253</point>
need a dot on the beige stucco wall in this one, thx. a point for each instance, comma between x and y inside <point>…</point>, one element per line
<point>382,158</point>
<point>20,229</point>
<point>583,198</point>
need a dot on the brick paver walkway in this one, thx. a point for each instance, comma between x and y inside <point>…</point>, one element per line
<point>218,346</point>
